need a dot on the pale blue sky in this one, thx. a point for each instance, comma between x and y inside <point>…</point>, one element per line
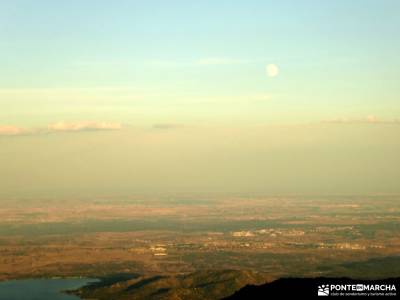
<point>110,97</point>
<point>198,60</point>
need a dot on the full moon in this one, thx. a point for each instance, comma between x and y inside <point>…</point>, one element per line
<point>272,70</point>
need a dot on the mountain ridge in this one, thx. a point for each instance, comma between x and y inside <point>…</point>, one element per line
<point>206,284</point>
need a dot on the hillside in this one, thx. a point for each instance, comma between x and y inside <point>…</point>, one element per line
<point>198,285</point>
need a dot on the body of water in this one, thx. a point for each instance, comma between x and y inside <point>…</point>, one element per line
<point>41,289</point>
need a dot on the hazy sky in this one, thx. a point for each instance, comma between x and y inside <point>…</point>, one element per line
<point>274,96</point>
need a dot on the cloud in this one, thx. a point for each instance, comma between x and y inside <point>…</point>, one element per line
<point>371,119</point>
<point>7,130</point>
<point>162,63</point>
<point>83,126</point>
<point>206,61</point>
<point>220,61</point>
<point>167,126</point>
<point>12,130</point>
<point>74,96</point>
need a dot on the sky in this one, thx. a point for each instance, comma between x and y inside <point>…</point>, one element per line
<point>266,96</point>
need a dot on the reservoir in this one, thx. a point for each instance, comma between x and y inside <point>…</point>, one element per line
<point>41,289</point>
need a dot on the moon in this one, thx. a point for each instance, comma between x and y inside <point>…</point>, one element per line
<point>272,70</point>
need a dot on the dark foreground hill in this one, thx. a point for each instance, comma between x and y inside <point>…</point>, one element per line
<point>198,285</point>
<point>304,288</point>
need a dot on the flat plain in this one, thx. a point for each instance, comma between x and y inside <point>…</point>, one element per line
<point>275,236</point>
